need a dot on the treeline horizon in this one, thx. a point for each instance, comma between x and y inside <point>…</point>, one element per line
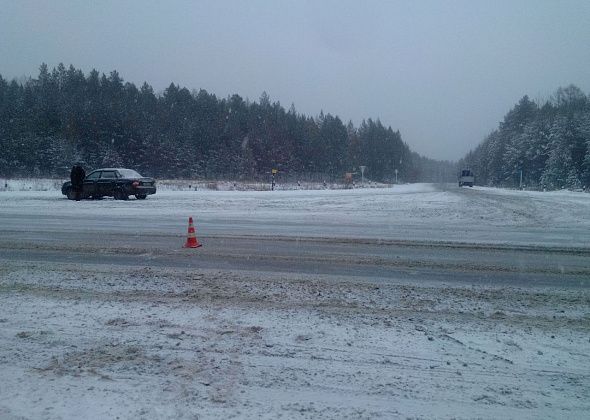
<point>64,116</point>
<point>547,146</point>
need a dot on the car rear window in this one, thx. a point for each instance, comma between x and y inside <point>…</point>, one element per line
<point>129,173</point>
<point>108,175</point>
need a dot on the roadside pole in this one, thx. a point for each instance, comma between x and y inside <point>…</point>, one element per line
<point>272,185</point>
<point>362,168</point>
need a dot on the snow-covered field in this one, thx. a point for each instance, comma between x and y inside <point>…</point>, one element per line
<point>102,339</point>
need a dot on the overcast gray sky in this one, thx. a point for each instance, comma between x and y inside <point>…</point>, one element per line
<point>442,72</point>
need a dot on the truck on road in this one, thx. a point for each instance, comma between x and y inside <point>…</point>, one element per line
<point>466,177</point>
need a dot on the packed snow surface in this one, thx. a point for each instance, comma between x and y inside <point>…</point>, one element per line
<point>405,212</point>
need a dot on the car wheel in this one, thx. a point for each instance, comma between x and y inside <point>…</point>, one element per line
<point>141,196</point>
<point>70,194</point>
<point>120,195</point>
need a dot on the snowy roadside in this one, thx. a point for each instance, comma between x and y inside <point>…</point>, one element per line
<point>139,342</point>
<point>54,184</point>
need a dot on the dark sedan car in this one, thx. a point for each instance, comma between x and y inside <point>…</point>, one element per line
<point>119,183</point>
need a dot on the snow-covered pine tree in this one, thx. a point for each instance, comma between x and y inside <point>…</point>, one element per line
<point>559,169</point>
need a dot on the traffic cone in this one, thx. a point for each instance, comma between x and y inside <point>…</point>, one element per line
<point>191,240</point>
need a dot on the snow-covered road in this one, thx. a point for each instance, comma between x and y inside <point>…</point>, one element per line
<point>414,301</point>
<point>405,212</point>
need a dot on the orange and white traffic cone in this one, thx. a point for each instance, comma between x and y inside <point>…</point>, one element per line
<point>191,240</point>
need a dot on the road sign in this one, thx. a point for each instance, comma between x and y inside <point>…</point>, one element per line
<point>274,171</point>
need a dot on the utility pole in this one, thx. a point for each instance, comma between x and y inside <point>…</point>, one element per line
<point>521,179</point>
<point>272,187</point>
<point>362,168</point>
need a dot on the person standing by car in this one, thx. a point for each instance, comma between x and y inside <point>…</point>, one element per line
<point>77,177</point>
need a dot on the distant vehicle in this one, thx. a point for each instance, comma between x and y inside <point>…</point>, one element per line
<point>119,183</point>
<point>466,178</point>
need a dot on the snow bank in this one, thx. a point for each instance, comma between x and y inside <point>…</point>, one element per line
<point>47,184</point>
<point>30,184</point>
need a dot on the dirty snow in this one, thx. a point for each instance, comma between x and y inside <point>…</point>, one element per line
<point>104,342</point>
